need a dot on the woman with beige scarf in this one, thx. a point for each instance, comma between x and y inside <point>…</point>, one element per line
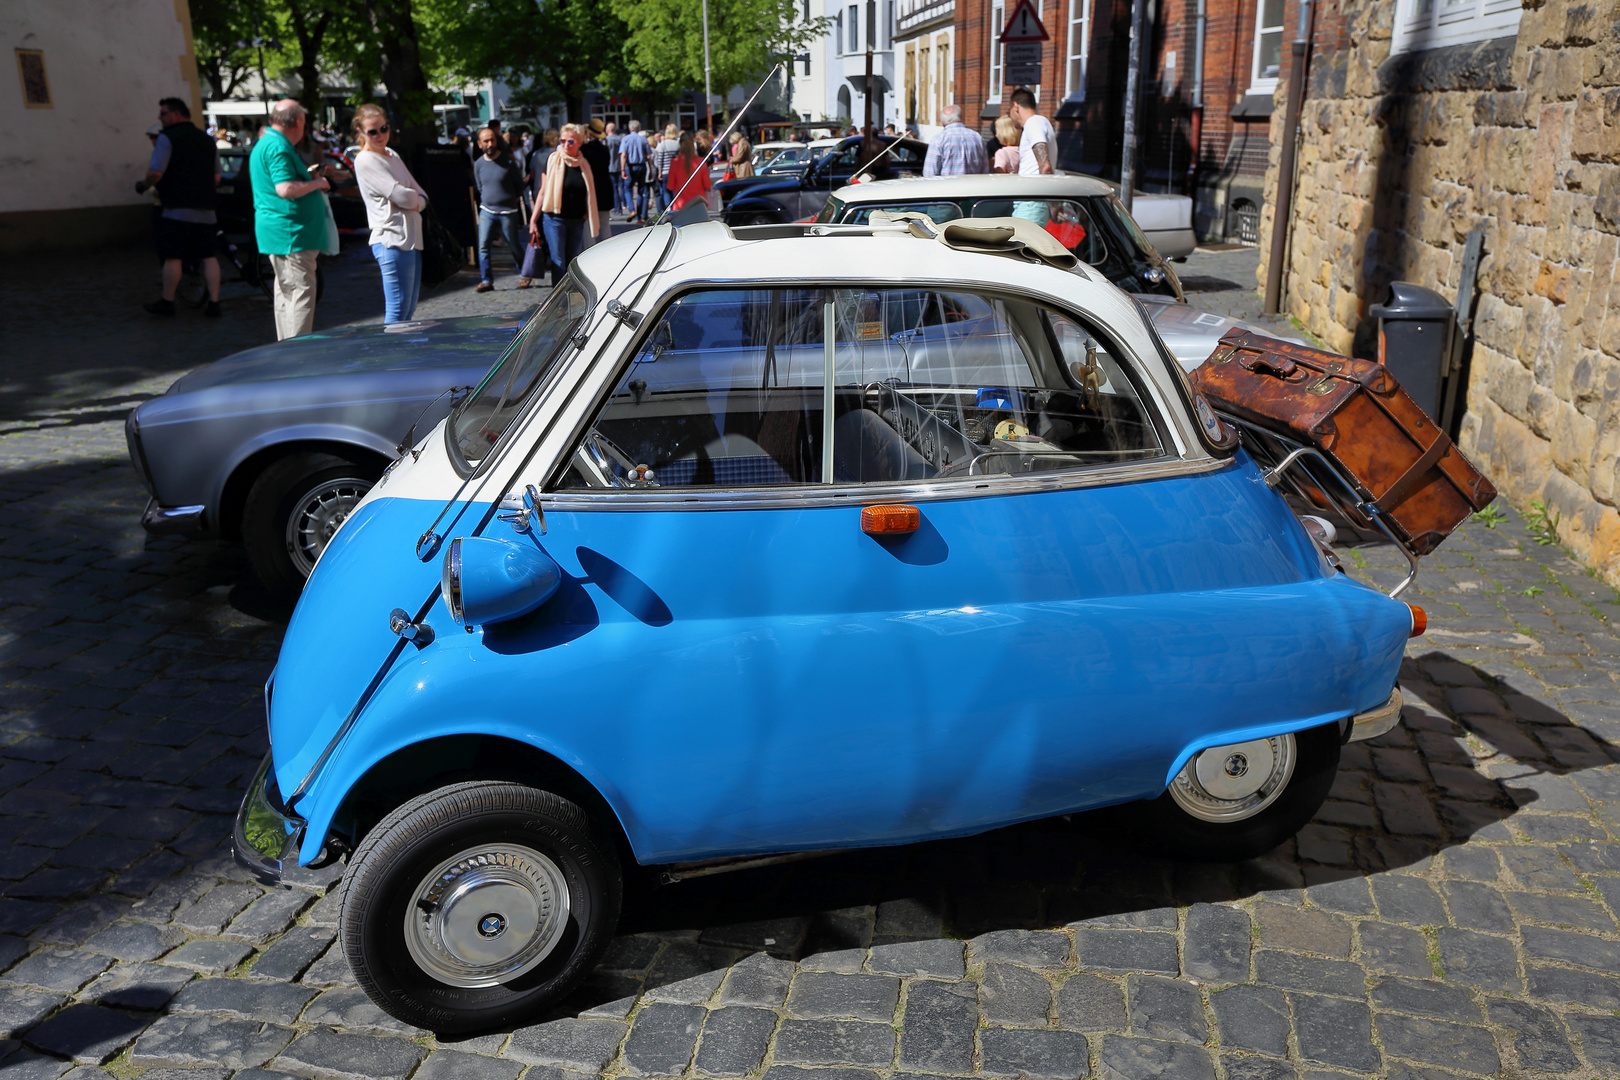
<point>566,203</point>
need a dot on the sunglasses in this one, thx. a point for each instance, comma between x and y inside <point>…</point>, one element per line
<point>374,132</point>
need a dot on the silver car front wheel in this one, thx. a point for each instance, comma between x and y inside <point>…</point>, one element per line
<point>316,516</point>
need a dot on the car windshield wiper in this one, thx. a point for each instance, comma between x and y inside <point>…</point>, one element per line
<point>408,443</point>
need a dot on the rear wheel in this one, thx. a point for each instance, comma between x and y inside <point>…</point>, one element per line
<point>478,905</point>
<point>1230,803</point>
<point>292,512</point>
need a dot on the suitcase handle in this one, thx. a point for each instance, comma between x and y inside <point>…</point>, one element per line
<point>1282,369</point>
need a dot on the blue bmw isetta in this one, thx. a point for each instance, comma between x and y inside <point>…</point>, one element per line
<point>791,539</point>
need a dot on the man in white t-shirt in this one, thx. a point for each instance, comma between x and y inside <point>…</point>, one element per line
<point>1037,146</point>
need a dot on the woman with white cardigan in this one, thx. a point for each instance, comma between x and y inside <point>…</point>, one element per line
<point>394,202</point>
<point>566,204</point>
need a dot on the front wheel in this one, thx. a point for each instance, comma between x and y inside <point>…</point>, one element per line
<point>293,509</point>
<point>478,905</point>
<point>1230,803</point>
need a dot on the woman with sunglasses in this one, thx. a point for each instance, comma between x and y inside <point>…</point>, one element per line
<point>394,202</point>
<point>566,202</point>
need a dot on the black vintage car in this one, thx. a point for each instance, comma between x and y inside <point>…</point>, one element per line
<point>776,199</point>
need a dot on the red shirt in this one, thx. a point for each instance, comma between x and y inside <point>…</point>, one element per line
<point>678,173</point>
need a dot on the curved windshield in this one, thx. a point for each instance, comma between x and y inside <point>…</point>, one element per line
<point>478,423</point>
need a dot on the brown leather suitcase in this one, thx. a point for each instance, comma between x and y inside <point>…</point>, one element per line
<point>1354,412</point>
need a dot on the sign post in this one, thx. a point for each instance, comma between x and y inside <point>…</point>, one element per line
<point>1021,42</point>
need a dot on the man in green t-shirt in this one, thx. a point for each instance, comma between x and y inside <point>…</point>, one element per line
<point>289,217</point>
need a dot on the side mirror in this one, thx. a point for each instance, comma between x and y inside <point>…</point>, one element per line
<point>489,581</point>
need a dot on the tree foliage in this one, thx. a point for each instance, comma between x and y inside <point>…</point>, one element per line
<point>561,47</point>
<point>664,50</point>
<point>216,27</point>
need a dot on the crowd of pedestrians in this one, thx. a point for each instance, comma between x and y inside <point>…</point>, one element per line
<point>543,195</point>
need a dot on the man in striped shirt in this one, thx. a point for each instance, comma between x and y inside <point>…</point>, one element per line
<point>959,151</point>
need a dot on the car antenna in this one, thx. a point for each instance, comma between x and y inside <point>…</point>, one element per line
<point>721,141</point>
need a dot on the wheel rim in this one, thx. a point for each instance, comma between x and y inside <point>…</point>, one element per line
<point>1231,783</point>
<point>486,915</point>
<point>316,518</point>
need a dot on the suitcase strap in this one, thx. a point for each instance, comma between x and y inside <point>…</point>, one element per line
<point>1397,491</point>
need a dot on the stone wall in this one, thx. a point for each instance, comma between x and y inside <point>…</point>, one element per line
<point>1401,157</point>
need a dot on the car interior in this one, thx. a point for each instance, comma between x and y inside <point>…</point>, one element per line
<point>730,388</point>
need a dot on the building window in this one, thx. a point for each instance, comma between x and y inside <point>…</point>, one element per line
<point>838,33</point>
<point>1079,39</point>
<point>854,28</point>
<point>998,23</point>
<point>35,86</point>
<point>1430,24</point>
<point>1268,35</point>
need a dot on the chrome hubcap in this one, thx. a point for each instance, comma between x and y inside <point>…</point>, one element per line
<point>486,915</point>
<point>1230,783</point>
<point>314,521</point>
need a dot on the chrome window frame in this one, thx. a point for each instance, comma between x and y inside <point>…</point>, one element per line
<point>468,470</point>
<point>1175,459</point>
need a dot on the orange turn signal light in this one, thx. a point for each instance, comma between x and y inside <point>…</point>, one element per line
<point>1420,621</point>
<point>890,520</point>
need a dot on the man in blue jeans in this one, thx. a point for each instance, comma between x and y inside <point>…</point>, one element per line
<point>498,188</point>
<point>633,155</point>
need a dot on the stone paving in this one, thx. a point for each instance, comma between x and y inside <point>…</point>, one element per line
<point>1452,910</point>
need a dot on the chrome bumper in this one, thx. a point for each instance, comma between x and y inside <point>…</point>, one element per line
<point>267,835</point>
<point>1374,722</point>
<point>168,520</point>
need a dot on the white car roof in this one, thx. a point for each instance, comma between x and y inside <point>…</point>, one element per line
<point>778,145</point>
<point>981,186</point>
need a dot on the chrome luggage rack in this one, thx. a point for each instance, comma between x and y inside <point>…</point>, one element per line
<point>1284,460</point>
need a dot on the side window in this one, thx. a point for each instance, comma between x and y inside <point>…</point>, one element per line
<point>725,392</point>
<point>731,388</point>
<point>940,212</point>
<point>943,384</point>
<point>1065,219</point>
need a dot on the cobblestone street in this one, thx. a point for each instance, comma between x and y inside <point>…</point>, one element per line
<point>1452,910</point>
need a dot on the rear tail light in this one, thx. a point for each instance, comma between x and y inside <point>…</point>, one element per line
<point>890,520</point>
<point>1420,621</point>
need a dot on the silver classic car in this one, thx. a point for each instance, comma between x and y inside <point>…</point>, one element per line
<point>275,445</point>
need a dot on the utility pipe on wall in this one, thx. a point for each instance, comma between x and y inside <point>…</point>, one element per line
<point>1298,54</point>
<point>1133,71</point>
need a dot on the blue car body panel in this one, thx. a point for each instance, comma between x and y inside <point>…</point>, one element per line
<point>757,680</point>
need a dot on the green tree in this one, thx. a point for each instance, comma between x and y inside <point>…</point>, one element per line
<point>400,63</point>
<point>308,22</point>
<point>664,50</point>
<point>564,47</point>
<point>216,27</point>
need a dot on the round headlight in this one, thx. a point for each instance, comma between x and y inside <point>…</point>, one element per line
<point>450,581</point>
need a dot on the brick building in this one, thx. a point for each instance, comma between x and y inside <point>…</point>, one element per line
<point>1209,71</point>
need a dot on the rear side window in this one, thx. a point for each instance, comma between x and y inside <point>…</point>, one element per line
<point>1066,219</point>
<point>796,387</point>
<point>940,212</point>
